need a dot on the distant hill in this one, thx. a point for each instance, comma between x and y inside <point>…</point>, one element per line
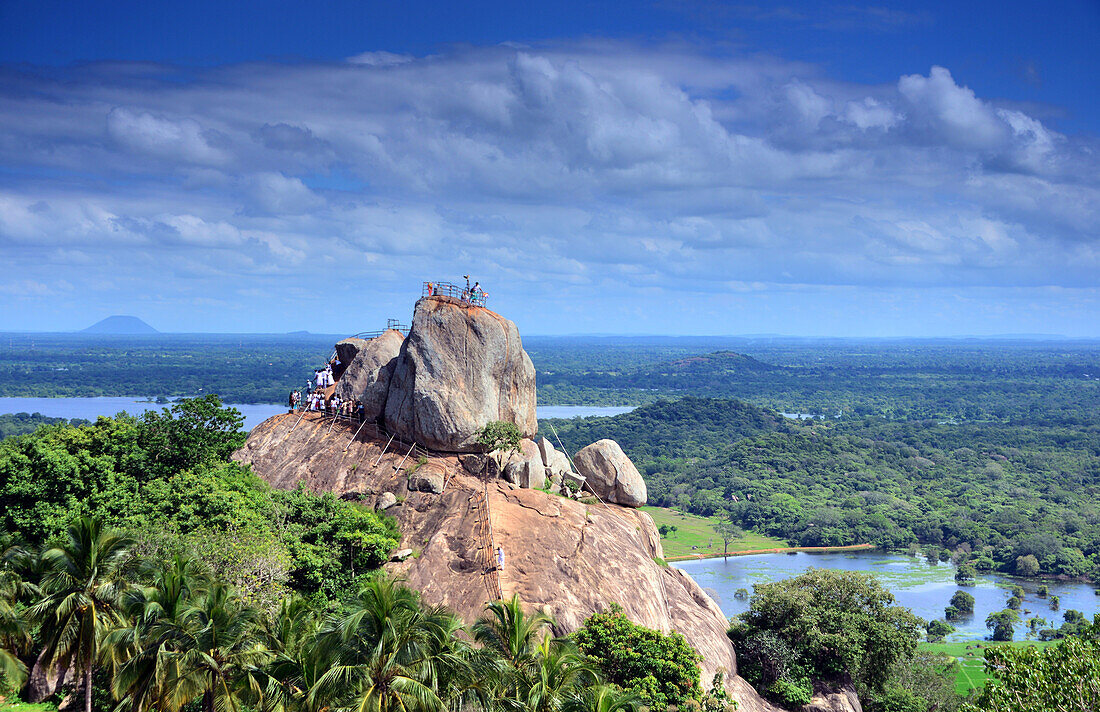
<point>120,325</point>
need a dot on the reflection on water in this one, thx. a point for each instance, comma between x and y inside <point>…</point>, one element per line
<point>922,587</point>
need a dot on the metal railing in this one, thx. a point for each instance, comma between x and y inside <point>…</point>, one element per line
<point>456,291</point>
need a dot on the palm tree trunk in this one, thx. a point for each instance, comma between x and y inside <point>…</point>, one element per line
<point>88,688</point>
<point>208,701</point>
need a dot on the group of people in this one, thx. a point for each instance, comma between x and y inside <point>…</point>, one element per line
<point>314,401</point>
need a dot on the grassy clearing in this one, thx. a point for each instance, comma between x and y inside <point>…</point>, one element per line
<point>971,656</point>
<point>15,705</point>
<point>693,530</point>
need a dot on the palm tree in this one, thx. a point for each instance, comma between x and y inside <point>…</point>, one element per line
<point>81,587</point>
<point>387,653</point>
<point>154,626</point>
<point>296,664</point>
<point>511,633</point>
<point>604,698</point>
<point>558,679</point>
<point>15,634</point>
<point>216,652</point>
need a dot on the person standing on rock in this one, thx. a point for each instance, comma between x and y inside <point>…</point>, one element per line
<point>500,559</point>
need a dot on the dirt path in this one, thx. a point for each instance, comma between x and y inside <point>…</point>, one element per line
<point>821,549</point>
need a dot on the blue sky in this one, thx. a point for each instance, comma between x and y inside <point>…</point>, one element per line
<point>668,167</point>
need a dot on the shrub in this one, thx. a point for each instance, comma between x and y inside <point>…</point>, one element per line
<point>661,669</point>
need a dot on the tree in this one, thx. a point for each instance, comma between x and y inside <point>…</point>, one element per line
<point>661,669</point>
<point>15,629</point>
<point>1064,676</point>
<point>965,573</point>
<point>383,651</point>
<point>938,630</point>
<point>81,588</point>
<point>1027,565</point>
<point>501,437</point>
<point>215,652</point>
<point>728,531</point>
<point>1002,623</point>
<point>963,602</point>
<point>836,622</point>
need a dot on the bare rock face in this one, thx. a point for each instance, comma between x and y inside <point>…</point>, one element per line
<point>461,367</point>
<point>571,558</point>
<point>366,372</point>
<point>610,474</point>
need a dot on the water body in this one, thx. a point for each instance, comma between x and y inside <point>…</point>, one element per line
<point>580,411</point>
<point>917,585</point>
<point>254,413</point>
<point>92,408</point>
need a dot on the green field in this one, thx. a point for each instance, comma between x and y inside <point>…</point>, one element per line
<point>693,530</point>
<point>15,705</point>
<point>971,673</point>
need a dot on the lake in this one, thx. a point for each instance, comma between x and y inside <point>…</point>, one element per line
<point>917,585</point>
<point>254,413</point>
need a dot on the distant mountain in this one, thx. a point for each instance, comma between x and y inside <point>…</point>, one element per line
<point>120,325</point>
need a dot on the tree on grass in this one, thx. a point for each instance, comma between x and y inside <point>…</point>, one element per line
<point>728,531</point>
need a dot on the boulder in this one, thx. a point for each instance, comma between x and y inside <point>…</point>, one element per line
<point>385,501</point>
<point>610,474</point>
<point>367,373</point>
<point>401,554</point>
<point>841,699</point>
<point>461,367</point>
<point>525,467</point>
<point>428,478</point>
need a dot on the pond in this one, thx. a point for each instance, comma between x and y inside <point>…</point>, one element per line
<point>917,585</point>
<point>254,413</point>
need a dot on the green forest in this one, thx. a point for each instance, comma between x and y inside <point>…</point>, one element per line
<point>992,494</point>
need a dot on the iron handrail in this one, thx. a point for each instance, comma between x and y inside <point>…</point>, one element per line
<point>455,291</point>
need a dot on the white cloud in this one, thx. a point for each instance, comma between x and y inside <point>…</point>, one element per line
<point>608,164</point>
<point>160,137</point>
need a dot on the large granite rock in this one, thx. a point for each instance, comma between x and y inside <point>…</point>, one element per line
<point>571,558</point>
<point>524,467</point>
<point>557,464</point>
<point>610,474</point>
<point>461,367</point>
<point>367,370</point>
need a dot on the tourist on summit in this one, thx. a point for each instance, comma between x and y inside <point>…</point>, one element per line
<point>320,378</point>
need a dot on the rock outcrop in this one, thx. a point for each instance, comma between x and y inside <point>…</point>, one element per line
<point>840,699</point>
<point>366,367</point>
<point>461,367</point>
<point>572,558</point>
<point>524,467</point>
<point>557,464</point>
<point>610,474</point>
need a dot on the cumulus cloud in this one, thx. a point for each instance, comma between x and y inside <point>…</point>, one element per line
<point>606,163</point>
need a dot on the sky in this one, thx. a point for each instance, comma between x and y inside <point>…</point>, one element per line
<point>666,167</point>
